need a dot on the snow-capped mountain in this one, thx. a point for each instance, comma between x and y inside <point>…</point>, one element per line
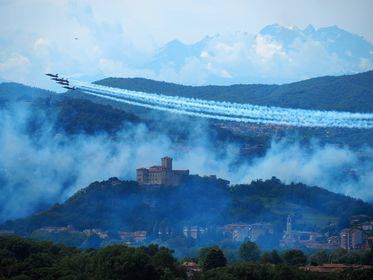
<point>277,54</point>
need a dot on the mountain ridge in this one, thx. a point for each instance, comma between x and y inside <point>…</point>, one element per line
<point>275,54</point>
<point>340,93</point>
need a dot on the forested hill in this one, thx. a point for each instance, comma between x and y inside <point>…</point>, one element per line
<point>341,93</point>
<point>116,204</point>
<point>11,92</point>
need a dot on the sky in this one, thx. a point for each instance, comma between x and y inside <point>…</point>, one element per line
<point>92,39</point>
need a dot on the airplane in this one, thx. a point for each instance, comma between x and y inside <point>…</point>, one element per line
<point>63,82</point>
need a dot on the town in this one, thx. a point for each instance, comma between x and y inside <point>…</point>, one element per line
<point>358,236</point>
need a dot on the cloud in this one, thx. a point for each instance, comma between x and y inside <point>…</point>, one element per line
<point>15,67</point>
<point>121,37</point>
<point>266,48</point>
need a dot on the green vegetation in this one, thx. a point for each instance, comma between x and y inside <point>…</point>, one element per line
<point>279,272</point>
<point>27,259</point>
<point>295,258</point>
<point>271,257</point>
<point>212,257</point>
<point>249,251</point>
<point>83,116</point>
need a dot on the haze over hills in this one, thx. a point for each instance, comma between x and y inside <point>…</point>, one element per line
<point>340,93</point>
<point>113,205</point>
<point>38,124</point>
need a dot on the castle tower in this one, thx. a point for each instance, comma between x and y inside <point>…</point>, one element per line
<point>167,163</point>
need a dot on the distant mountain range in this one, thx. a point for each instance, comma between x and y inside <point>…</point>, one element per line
<point>277,54</point>
<point>341,93</point>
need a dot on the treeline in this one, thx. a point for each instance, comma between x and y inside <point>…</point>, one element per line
<point>27,259</point>
<point>254,264</point>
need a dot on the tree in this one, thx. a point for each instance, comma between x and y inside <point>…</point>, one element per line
<point>122,262</point>
<point>271,257</point>
<point>212,257</point>
<point>319,258</point>
<point>265,258</point>
<point>294,257</point>
<point>284,272</point>
<point>249,251</point>
<point>368,257</point>
<point>338,255</point>
<point>163,261</point>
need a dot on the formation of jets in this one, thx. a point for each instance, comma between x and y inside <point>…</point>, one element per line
<point>64,82</point>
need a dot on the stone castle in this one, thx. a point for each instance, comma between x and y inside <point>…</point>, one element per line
<point>161,174</point>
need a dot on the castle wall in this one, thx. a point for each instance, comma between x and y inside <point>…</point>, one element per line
<point>161,175</point>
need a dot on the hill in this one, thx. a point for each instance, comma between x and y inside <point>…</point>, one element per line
<point>13,92</point>
<point>116,205</point>
<point>340,93</point>
<point>80,113</point>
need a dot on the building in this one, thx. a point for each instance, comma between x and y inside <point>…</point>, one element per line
<point>367,226</point>
<point>353,238</point>
<point>133,236</point>
<point>297,238</point>
<point>289,236</point>
<point>258,229</point>
<point>334,267</point>
<point>241,232</point>
<point>6,232</point>
<point>68,228</point>
<point>194,232</point>
<point>191,268</point>
<point>96,232</point>
<point>236,232</point>
<point>161,175</point>
<point>333,242</point>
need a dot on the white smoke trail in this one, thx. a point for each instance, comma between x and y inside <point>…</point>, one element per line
<point>231,111</point>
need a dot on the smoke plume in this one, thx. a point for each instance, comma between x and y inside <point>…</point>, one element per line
<point>46,167</point>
